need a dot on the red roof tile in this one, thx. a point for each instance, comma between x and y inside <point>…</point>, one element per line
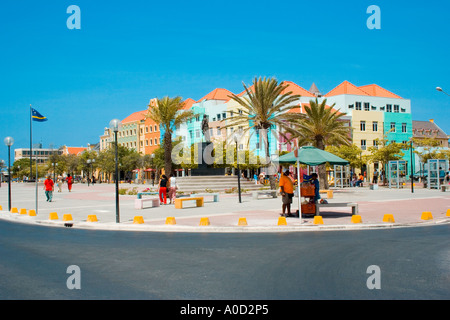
<point>217,94</point>
<point>346,88</point>
<point>377,91</point>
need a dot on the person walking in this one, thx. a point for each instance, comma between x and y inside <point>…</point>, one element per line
<point>287,193</point>
<point>69,182</point>
<point>59,184</point>
<point>172,188</point>
<point>315,182</point>
<point>48,187</point>
<point>163,185</point>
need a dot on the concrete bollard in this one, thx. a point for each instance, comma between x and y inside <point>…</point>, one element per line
<point>318,220</point>
<point>67,217</point>
<point>53,216</point>
<point>1,208</point>
<point>282,221</point>
<point>426,215</point>
<point>448,213</point>
<point>356,218</point>
<point>388,218</point>
<point>32,213</point>
<point>171,220</point>
<point>138,220</point>
<point>92,218</point>
<point>23,211</point>
<point>242,222</point>
<point>14,210</point>
<point>204,222</point>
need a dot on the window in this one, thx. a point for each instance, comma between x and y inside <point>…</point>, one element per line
<point>150,128</point>
<point>156,141</point>
<point>375,126</point>
<point>389,108</point>
<point>358,106</point>
<point>218,131</point>
<point>366,106</point>
<point>151,142</point>
<point>231,114</point>
<point>218,117</point>
<point>375,143</point>
<point>403,127</point>
<point>239,111</point>
<point>363,144</point>
<point>362,126</point>
<point>224,115</point>
<point>211,133</point>
<point>156,128</point>
<point>197,133</point>
<point>393,126</point>
<point>351,106</point>
<point>396,108</point>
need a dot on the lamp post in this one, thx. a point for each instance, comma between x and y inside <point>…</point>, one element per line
<point>440,89</point>
<point>9,141</point>
<point>412,168</point>
<point>114,125</point>
<point>236,138</point>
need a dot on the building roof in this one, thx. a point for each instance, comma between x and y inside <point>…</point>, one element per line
<point>217,94</point>
<point>296,89</point>
<point>346,88</point>
<point>188,103</point>
<point>314,90</point>
<point>136,116</point>
<point>427,129</point>
<point>74,150</point>
<point>377,91</point>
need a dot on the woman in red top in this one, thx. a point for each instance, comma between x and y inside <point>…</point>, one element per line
<point>69,182</point>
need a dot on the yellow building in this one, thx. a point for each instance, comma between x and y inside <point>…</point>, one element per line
<point>367,126</point>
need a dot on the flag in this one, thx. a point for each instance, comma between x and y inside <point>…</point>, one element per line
<point>36,116</point>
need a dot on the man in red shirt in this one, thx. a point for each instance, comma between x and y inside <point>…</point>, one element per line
<point>48,187</point>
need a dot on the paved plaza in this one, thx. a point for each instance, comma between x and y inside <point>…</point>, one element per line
<point>261,215</point>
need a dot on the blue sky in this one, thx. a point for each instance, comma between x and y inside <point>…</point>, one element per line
<point>130,51</point>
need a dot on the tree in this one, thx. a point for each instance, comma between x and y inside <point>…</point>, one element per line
<point>169,114</point>
<point>351,153</point>
<point>265,107</point>
<point>322,126</point>
<point>386,151</point>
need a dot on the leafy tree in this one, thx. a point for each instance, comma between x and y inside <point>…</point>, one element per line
<point>351,153</point>
<point>169,114</point>
<point>322,126</point>
<point>265,107</point>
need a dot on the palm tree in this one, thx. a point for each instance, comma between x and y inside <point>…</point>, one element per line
<point>322,126</point>
<point>169,114</point>
<point>265,106</point>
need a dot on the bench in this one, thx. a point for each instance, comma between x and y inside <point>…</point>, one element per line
<point>140,194</point>
<point>353,205</point>
<point>328,192</point>
<point>139,203</point>
<point>215,195</point>
<point>179,202</point>
<point>444,187</point>
<point>272,193</point>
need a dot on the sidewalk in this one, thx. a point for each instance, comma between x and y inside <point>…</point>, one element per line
<point>261,215</point>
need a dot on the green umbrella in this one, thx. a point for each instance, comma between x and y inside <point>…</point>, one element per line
<point>312,156</point>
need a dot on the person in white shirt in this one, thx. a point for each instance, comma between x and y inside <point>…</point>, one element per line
<point>172,188</point>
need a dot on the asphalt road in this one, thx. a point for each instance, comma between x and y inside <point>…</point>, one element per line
<point>414,263</point>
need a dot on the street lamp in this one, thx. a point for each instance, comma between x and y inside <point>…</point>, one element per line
<point>114,125</point>
<point>440,89</point>
<point>236,138</point>
<point>9,141</point>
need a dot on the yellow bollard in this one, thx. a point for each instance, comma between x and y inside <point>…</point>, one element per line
<point>318,220</point>
<point>138,220</point>
<point>14,210</point>
<point>448,213</point>
<point>388,218</point>
<point>53,216</point>
<point>356,218</point>
<point>1,208</point>
<point>426,215</point>
<point>32,213</point>
<point>171,220</point>
<point>282,221</point>
<point>92,218</point>
<point>23,211</point>
<point>67,217</point>
<point>204,222</point>
<point>242,222</point>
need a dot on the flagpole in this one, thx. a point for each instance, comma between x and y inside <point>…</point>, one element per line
<point>36,184</point>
